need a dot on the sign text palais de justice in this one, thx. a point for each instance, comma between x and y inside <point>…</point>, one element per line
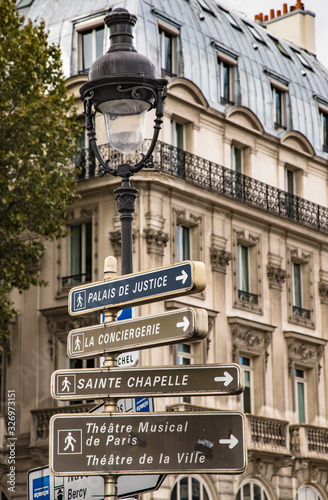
<point>183,278</point>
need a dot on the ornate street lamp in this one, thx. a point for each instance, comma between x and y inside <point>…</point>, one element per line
<point>122,86</point>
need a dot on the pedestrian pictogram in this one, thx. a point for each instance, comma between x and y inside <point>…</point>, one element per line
<point>69,441</point>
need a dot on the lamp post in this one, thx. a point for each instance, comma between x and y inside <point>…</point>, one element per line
<point>122,86</point>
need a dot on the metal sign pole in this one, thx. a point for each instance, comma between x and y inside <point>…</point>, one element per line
<point>110,404</point>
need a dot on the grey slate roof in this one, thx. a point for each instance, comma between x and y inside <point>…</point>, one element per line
<point>201,32</point>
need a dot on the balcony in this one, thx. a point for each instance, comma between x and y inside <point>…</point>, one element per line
<point>267,435</point>
<point>218,179</point>
<point>251,298</point>
<point>41,417</point>
<point>308,441</point>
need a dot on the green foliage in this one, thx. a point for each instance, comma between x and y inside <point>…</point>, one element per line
<point>38,131</point>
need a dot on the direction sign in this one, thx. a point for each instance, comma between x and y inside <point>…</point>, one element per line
<point>45,486</point>
<point>211,442</point>
<point>139,288</point>
<point>212,379</point>
<point>142,333</point>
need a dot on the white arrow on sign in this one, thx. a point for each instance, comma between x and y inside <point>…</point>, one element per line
<point>227,379</point>
<point>183,276</point>
<point>232,441</point>
<point>184,324</point>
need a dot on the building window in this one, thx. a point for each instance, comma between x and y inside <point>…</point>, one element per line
<point>247,271</point>
<point>226,78</point>
<point>91,43</point>
<point>177,150</point>
<point>186,237</point>
<point>300,280</point>
<point>251,344</point>
<point>290,181</point>
<point>252,491</point>
<point>324,130</point>
<point>291,201</point>
<point>237,161</point>
<point>85,160</point>
<point>245,290</point>
<point>279,46</point>
<point>246,364</point>
<point>184,357</point>
<point>307,493</point>
<point>80,254</point>
<point>230,18</point>
<point>254,33</point>
<point>190,488</point>
<point>302,59</point>
<point>168,37</point>
<point>183,243</point>
<point>204,5</point>
<point>305,355</point>
<point>300,395</point>
<point>279,107</point>
<point>184,354</point>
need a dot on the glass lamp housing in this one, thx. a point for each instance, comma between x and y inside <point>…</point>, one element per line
<point>125,123</point>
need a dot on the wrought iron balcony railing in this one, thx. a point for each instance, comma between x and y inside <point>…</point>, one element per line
<point>252,298</point>
<point>76,279</point>
<point>303,313</point>
<point>221,180</point>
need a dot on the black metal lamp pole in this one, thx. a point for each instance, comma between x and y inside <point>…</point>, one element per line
<point>122,86</point>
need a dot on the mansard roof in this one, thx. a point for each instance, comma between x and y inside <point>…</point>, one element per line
<point>205,34</point>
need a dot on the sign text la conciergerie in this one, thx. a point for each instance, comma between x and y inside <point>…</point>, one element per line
<point>148,331</point>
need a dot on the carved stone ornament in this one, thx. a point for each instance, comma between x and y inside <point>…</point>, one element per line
<point>115,239</point>
<point>156,240</point>
<point>304,351</point>
<point>276,277</point>
<point>323,292</point>
<point>250,338</point>
<point>219,259</point>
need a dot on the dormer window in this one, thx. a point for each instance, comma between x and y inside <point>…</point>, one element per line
<point>204,5</point>
<point>168,43</point>
<point>279,93</point>
<point>92,46</point>
<point>302,59</point>
<point>230,18</point>
<point>279,46</point>
<point>226,70</point>
<point>324,129</point>
<point>254,33</point>
<point>92,36</point>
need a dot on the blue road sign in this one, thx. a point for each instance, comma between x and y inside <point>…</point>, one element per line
<point>135,289</point>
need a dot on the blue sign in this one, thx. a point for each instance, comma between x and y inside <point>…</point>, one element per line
<point>41,488</point>
<point>142,404</point>
<point>185,277</point>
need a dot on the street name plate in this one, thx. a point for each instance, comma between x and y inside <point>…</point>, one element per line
<point>94,444</point>
<point>163,381</point>
<point>139,288</point>
<point>141,333</point>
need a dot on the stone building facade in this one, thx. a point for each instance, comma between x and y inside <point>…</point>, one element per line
<point>239,183</point>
